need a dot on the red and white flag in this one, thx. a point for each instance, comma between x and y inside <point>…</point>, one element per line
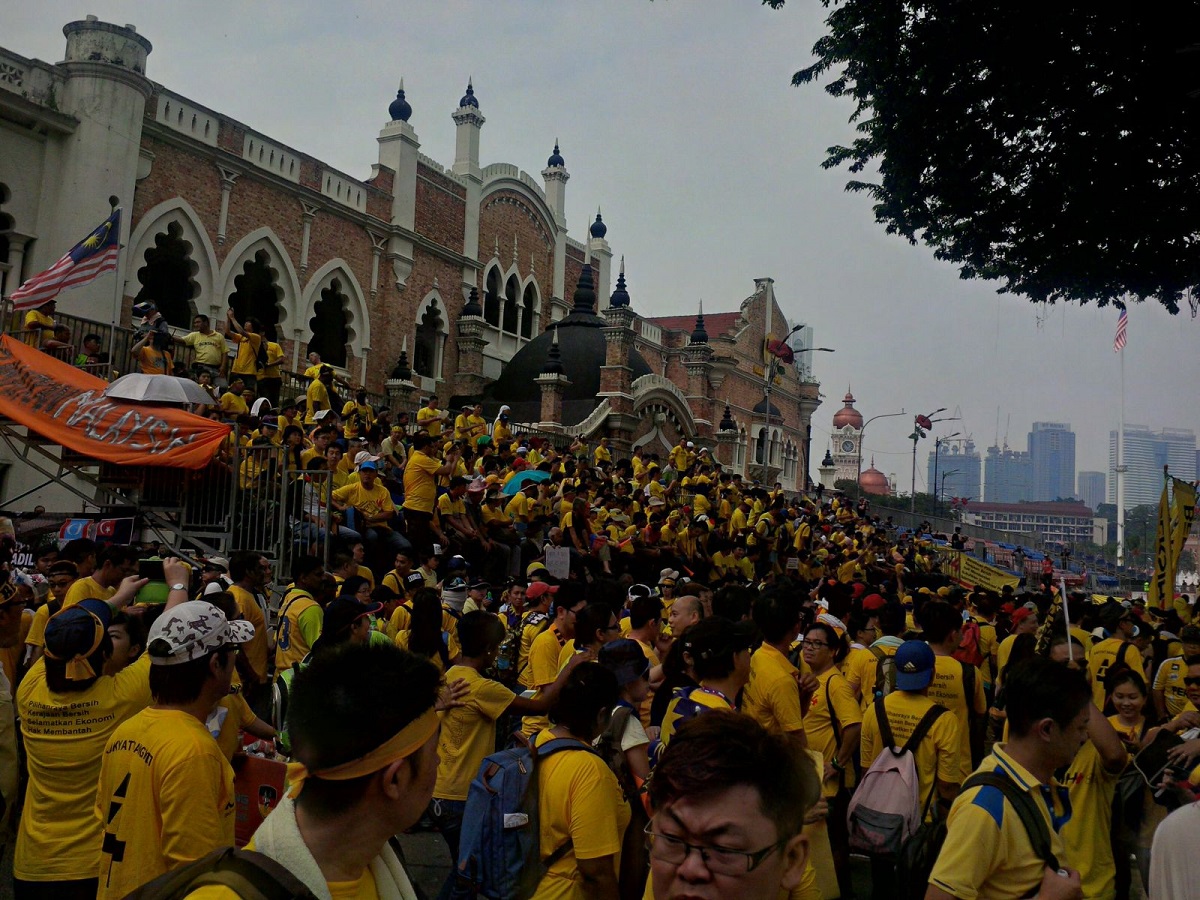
<point>84,263</point>
<point>1122,324</point>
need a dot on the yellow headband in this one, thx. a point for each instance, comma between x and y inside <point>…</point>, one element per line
<point>78,668</point>
<point>405,743</point>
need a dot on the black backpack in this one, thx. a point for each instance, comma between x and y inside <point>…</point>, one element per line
<point>248,874</point>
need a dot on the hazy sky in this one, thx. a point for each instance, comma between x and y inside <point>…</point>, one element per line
<point>679,119</point>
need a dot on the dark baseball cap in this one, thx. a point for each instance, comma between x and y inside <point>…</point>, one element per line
<point>626,659</point>
<point>344,611</point>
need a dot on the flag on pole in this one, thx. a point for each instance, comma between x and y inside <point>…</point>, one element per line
<point>82,264</point>
<point>1122,324</point>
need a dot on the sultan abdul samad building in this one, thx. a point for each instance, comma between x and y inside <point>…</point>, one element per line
<point>416,279</point>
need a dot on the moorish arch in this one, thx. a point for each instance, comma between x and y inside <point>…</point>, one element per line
<point>331,291</point>
<point>262,253</point>
<point>657,394</point>
<point>174,263</point>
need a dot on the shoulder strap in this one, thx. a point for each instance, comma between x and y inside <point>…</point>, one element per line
<point>968,672</point>
<point>833,719</point>
<point>552,747</point>
<point>1120,660</point>
<point>885,727</point>
<point>931,715</point>
<point>1026,809</point>
<point>245,872</point>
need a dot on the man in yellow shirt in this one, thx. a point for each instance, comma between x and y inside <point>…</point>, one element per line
<point>39,324</point>
<point>251,573</point>
<point>546,649</point>
<point>300,616</point>
<point>210,352</point>
<point>231,402</point>
<point>1170,696</point>
<point>317,396</point>
<point>988,852</point>
<point>772,696</point>
<point>374,511</point>
<point>957,686</point>
<point>1116,650</point>
<point>249,339</point>
<point>430,418</point>
<point>166,791</point>
<point>420,490</point>
<point>357,416</point>
<point>270,380</point>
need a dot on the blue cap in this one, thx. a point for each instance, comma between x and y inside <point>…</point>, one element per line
<point>915,663</point>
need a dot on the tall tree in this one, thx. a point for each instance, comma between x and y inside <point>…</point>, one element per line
<point>1051,147</point>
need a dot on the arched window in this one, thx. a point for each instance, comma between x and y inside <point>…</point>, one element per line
<point>760,446</point>
<point>427,351</point>
<point>328,326</point>
<point>168,278</point>
<point>491,299</point>
<point>528,311</point>
<point>512,295</point>
<point>257,293</point>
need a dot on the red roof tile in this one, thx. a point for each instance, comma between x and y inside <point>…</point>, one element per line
<point>714,323</point>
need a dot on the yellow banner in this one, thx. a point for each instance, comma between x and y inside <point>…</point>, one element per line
<point>971,572</point>
<point>1162,583</point>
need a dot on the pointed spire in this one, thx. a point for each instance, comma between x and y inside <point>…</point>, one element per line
<point>828,460</point>
<point>468,99</point>
<point>555,157</point>
<point>472,307</point>
<point>399,109</point>
<point>727,423</point>
<point>620,297</point>
<point>585,293</point>
<point>403,370</point>
<point>699,335</point>
<point>553,364</point>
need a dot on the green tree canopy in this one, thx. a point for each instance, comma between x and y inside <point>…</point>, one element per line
<point>1052,147</point>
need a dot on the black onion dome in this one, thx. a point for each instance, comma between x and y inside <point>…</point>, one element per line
<point>553,364</point>
<point>727,423</point>
<point>599,229</point>
<point>699,334</point>
<point>828,460</point>
<point>468,99</point>
<point>761,409</point>
<point>620,297</point>
<point>555,157</point>
<point>472,307</point>
<point>399,109</point>
<point>582,352</point>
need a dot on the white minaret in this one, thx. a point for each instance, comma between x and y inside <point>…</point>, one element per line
<point>555,177</point>
<point>468,121</point>
<point>398,148</point>
<point>599,248</point>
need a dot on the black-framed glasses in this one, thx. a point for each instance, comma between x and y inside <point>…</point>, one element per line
<point>718,860</point>
<point>814,645</point>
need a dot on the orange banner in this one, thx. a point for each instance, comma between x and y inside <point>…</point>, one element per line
<point>68,406</point>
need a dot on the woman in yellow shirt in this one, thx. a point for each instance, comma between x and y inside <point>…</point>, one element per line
<point>426,635</point>
<point>582,811</point>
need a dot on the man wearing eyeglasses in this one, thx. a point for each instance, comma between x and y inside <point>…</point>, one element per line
<point>729,805</point>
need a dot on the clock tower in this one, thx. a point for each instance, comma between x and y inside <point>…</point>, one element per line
<point>847,440</point>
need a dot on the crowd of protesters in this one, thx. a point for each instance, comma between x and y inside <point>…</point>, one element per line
<point>752,674</point>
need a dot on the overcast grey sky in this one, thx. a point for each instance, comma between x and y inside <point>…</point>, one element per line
<point>679,119</point>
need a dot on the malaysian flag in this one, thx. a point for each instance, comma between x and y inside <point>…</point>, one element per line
<point>1122,324</point>
<point>83,263</point>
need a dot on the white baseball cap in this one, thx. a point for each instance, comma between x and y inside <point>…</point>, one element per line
<point>192,630</point>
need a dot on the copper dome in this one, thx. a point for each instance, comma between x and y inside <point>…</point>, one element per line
<point>848,415</point>
<point>874,482</point>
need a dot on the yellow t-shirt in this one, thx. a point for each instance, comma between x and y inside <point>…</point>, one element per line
<point>859,669</point>
<point>419,486</point>
<point>936,755</point>
<point>1169,680</point>
<point>362,888</point>
<point>543,670</point>
<point>468,732</point>
<point>705,698</point>
<point>772,697</point>
<point>65,735</point>
<point>987,852</point>
<point>165,798</point>
<point>358,418</point>
<point>370,503</point>
<point>246,361</point>
<point>233,405</point>
<point>532,624</point>
<point>316,399</point>
<point>1087,833</point>
<point>210,349</point>
<point>988,645</point>
<point>448,506</point>
<point>231,716</point>
<point>1105,654</point>
<point>950,690</point>
<point>256,647</point>
<point>579,800</point>
<point>300,621</point>
<point>451,642</point>
<point>274,358</point>
<point>833,689</point>
<point>36,319</point>
<point>430,420</point>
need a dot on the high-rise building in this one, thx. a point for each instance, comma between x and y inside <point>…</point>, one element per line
<point>955,469</point>
<point>1052,451</point>
<point>1145,453</point>
<point>1007,476</point>
<point>1091,489</point>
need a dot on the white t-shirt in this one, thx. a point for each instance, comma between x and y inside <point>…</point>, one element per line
<point>1174,864</point>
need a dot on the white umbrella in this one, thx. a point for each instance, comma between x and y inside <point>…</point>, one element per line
<point>157,389</point>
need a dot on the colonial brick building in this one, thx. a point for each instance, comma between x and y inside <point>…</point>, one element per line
<point>416,279</point>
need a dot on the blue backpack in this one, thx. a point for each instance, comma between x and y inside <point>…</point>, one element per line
<point>499,853</point>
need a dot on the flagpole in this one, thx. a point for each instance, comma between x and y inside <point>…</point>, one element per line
<point>118,291</point>
<point>1119,471</point>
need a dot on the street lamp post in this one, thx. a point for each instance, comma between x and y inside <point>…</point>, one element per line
<point>769,382</point>
<point>945,475</point>
<point>937,456</point>
<point>808,426</point>
<point>920,424</point>
<point>862,437</point>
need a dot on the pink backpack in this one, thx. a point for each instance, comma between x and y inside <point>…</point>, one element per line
<point>886,809</point>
